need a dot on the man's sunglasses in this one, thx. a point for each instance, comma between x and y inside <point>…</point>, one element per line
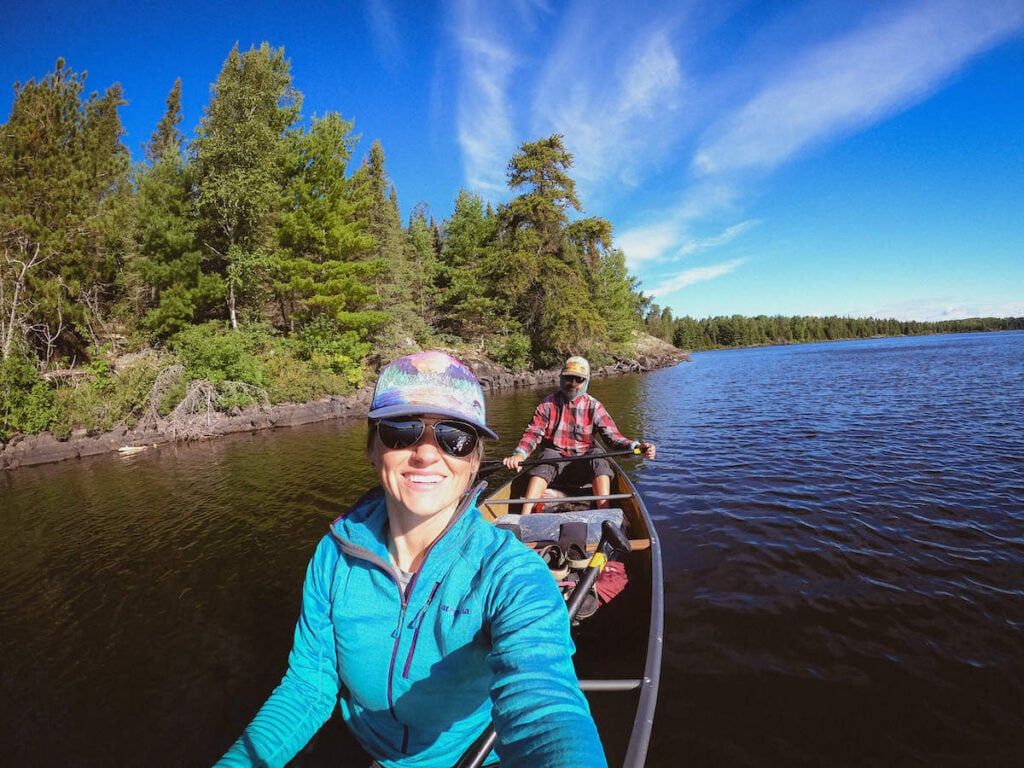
<point>453,437</point>
<point>576,379</point>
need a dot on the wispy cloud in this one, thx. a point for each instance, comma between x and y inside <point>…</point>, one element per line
<point>696,275</point>
<point>619,113</point>
<point>666,241</point>
<point>383,29</point>
<point>824,92</point>
<point>532,69</point>
<point>847,83</point>
<point>721,239</point>
<point>484,112</point>
<point>939,308</point>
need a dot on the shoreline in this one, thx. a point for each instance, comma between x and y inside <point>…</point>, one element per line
<point>44,448</point>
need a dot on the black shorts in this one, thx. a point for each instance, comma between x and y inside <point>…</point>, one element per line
<point>574,474</point>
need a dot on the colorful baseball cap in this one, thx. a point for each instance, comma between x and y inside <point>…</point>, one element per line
<point>430,382</point>
<point>576,366</point>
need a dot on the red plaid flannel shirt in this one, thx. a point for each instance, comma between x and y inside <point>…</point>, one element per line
<point>569,426</point>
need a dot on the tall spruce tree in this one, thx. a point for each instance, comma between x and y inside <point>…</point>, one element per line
<point>536,272</point>
<point>422,255</point>
<point>395,286</point>
<point>325,268</point>
<point>175,286</point>
<point>465,305</point>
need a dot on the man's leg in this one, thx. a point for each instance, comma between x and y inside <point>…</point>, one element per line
<point>602,487</point>
<point>541,476</point>
<point>602,482</point>
<point>534,489</point>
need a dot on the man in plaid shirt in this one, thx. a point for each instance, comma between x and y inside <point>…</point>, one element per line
<point>564,425</point>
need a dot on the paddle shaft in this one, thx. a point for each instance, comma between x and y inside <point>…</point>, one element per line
<point>487,467</point>
<point>612,540</point>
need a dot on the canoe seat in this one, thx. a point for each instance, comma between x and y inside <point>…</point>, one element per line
<point>545,526</point>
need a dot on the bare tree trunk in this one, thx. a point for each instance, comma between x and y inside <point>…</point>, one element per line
<point>16,318</point>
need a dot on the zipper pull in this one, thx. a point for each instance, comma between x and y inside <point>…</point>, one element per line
<point>418,618</point>
<point>401,620</point>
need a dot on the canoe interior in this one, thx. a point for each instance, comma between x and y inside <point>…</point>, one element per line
<point>620,645</point>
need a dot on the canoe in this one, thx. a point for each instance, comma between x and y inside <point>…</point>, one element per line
<point>618,648</point>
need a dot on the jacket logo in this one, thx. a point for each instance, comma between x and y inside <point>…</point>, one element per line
<point>456,611</point>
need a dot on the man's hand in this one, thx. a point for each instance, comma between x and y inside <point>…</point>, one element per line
<point>647,450</point>
<point>513,461</point>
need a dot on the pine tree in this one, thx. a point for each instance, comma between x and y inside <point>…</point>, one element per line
<point>464,303</point>
<point>537,271</point>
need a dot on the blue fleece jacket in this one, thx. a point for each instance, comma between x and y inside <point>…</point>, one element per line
<point>481,633</point>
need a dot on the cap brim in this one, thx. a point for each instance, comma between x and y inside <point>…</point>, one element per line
<point>392,411</point>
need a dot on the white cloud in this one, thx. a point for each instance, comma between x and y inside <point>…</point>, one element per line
<point>696,275</point>
<point>668,239</point>
<point>726,236</point>
<point>649,242</point>
<point>856,80</point>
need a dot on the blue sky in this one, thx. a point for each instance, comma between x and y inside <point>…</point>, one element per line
<point>797,158</point>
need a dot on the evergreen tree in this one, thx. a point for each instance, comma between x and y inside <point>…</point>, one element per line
<point>593,237</point>
<point>537,272</point>
<point>64,197</point>
<point>614,293</point>
<point>324,268</point>
<point>167,139</point>
<point>395,285</point>
<point>465,306</point>
<point>422,255</point>
<point>175,287</point>
<point>240,157</point>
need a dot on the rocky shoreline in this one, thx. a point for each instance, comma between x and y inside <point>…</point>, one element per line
<point>32,450</point>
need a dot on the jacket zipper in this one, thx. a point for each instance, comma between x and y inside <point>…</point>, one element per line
<point>417,622</point>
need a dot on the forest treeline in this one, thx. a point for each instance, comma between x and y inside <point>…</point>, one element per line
<point>258,261</point>
<point>739,331</point>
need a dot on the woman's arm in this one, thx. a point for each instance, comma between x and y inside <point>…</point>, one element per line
<point>541,717</point>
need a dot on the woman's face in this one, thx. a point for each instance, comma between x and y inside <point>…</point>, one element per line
<point>423,479</point>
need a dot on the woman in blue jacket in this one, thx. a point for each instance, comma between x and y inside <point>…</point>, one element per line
<point>420,620</point>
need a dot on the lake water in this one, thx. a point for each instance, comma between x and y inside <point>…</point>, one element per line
<point>842,527</point>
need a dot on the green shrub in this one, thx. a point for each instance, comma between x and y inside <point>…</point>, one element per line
<point>297,381</point>
<point>330,350</point>
<point>105,400</point>
<point>217,353</point>
<point>26,399</point>
<point>511,351</point>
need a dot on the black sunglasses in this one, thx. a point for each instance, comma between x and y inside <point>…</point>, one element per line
<point>453,437</point>
<point>577,379</point>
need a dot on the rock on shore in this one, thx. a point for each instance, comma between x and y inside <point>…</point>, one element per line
<point>30,450</point>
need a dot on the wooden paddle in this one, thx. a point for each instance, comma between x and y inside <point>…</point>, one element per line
<point>487,467</point>
<point>612,540</point>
